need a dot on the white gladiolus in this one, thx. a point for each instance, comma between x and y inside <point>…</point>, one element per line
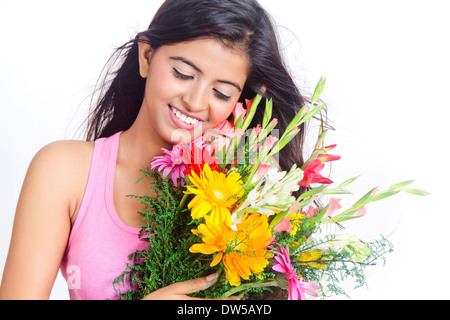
<point>345,242</point>
<point>272,193</point>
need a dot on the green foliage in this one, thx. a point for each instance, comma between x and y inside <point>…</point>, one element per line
<point>167,258</point>
<point>338,266</point>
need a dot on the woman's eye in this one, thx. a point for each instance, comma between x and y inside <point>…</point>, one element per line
<point>183,76</point>
<point>180,75</point>
<point>222,96</point>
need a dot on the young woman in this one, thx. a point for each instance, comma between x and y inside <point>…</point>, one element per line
<point>180,77</point>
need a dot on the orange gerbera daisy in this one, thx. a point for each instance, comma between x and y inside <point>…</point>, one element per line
<point>243,251</point>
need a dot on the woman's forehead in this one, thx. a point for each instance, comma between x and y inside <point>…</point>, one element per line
<point>209,56</point>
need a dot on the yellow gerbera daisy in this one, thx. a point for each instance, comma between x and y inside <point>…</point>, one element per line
<point>214,192</point>
<point>243,251</point>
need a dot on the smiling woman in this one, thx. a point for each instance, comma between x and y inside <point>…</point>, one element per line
<point>387,68</point>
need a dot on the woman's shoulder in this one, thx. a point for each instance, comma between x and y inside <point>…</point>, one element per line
<point>63,167</point>
<point>68,159</point>
<point>65,154</point>
<point>68,148</point>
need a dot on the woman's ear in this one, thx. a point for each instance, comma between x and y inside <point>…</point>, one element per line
<point>145,54</point>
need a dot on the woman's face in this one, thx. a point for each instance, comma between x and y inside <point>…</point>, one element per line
<point>191,86</point>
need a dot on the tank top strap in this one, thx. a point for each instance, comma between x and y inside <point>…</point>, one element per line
<point>113,147</point>
<point>102,166</point>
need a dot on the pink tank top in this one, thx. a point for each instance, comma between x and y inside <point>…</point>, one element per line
<point>99,242</point>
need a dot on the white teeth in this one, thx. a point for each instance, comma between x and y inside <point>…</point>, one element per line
<point>183,117</point>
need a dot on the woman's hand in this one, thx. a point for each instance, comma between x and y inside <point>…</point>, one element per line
<point>180,290</point>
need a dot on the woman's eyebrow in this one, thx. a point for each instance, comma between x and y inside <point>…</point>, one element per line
<point>231,83</point>
<point>187,62</point>
<point>190,63</point>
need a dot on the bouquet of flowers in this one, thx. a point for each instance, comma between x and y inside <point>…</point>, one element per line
<point>222,204</point>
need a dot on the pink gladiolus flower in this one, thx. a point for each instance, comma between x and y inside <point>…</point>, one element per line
<point>238,111</point>
<point>360,212</point>
<point>248,103</point>
<point>331,147</point>
<point>261,171</point>
<point>223,124</point>
<point>297,287</point>
<point>270,141</point>
<point>311,174</point>
<point>311,212</point>
<point>305,110</point>
<point>294,207</point>
<point>227,129</point>
<point>327,157</point>
<point>255,148</point>
<point>220,136</point>
<point>172,161</point>
<point>283,225</point>
<point>255,131</point>
<point>294,131</point>
<point>334,205</point>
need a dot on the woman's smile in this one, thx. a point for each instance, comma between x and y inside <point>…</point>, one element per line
<point>183,120</point>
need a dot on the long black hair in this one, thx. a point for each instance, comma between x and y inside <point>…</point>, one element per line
<point>242,24</point>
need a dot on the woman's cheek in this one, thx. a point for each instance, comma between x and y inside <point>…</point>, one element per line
<point>222,112</point>
<point>164,85</point>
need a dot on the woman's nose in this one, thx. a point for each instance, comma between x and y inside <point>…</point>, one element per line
<point>196,98</point>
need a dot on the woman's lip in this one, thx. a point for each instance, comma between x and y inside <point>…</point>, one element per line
<point>185,113</point>
<point>182,124</point>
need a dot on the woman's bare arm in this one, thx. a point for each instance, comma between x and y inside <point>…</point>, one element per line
<point>49,196</point>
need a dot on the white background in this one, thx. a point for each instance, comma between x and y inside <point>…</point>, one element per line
<point>387,68</point>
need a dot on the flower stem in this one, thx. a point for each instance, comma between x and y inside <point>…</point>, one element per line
<point>247,286</point>
<point>183,201</point>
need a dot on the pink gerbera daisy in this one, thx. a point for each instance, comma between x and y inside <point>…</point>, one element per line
<point>297,287</point>
<point>173,162</point>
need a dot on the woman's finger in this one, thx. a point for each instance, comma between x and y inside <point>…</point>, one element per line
<point>194,285</point>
